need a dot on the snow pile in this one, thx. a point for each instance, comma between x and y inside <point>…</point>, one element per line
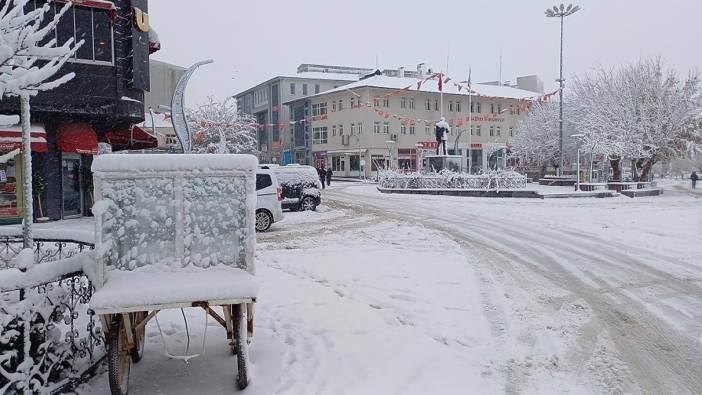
<point>14,278</point>
<point>172,163</point>
<point>9,120</point>
<point>492,180</point>
<point>297,181</point>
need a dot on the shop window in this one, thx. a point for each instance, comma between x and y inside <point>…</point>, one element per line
<point>92,25</point>
<point>9,208</point>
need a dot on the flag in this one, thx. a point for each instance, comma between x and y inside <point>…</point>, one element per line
<point>441,82</point>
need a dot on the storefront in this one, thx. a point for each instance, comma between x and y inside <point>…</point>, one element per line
<point>11,177</point>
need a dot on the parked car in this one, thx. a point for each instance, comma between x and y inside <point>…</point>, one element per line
<point>300,185</point>
<point>269,196</point>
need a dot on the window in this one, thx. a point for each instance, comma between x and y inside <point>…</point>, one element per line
<point>403,102</point>
<point>360,128</point>
<point>492,131</point>
<point>492,108</point>
<point>316,88</point>
<point>333,106</point>
<point>511,132</point>
<point>333,130</point>
<point>304,89</point>
<point>386,128</point>
<point>477,107</point>
<point>319,109</point>
<point>499,131</point>
<point>83,23</point>
<point>427,130</point>
<point>451,105</point>
<point>386,102</point>
<point>319,135</point>
<point>472,106</point>
<point>436,105</point>
<point>499,108</point>
<point>341,130</point>
<point>477,130</point>
<point>352,102</point>
<point>428,105</point>
<point>412,131</point>
<point>353,128</point>
<point>376,128</point>
<point>292,88</point>
<point>341,104</point>
<point>403,129</point>
<point>263,181</point>
<point>376,102</point>
<point>411,104</point>
<point>458,106</point>
<point>472,130</point>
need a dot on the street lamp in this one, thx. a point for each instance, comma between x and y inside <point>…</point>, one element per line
<point>577,137</point>
<point>561,12</point>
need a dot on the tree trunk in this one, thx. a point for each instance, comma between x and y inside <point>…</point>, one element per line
<point>27,236</point>
<point>616,169</point>
<point>646,169</point>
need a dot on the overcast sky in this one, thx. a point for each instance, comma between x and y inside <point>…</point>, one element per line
<point>252,41</point>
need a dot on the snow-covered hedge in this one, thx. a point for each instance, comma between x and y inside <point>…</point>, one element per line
<point>493,180</point>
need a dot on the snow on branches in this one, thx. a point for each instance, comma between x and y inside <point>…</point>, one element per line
<point>537,135</point>
<point>641,112</point>
<point>217,128</point>
<point>28,60</point>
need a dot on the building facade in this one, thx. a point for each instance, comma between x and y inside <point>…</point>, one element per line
<point>99,105</point>
<point>387,122</point>
<point>278,140</point>
<point>157,102</point>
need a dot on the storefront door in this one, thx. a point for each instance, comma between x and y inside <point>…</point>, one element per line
<point>72,195</point>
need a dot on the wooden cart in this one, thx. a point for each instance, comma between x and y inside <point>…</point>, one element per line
<point>173,232</point>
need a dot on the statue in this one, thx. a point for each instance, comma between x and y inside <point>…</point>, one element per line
<point>442,130</point>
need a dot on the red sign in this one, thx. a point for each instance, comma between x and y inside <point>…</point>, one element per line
<point>427,145</point>
<point>476,146</point>
<point>275,146</point>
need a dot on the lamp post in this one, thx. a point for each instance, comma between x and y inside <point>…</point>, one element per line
<point>561,12</point>
<point>577,137</point>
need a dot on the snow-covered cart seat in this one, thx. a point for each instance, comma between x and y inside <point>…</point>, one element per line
<point>173,229</point>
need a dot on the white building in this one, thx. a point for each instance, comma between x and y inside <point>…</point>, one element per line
<point>384,121</point>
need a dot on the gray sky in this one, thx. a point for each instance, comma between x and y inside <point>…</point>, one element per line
<point>252,41</point>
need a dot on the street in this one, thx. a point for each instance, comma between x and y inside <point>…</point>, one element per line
<point>414,294</point>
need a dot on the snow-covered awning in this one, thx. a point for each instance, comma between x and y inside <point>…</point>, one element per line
<point>131,138</point>
<point>11,138</point>
<point>101,4</point>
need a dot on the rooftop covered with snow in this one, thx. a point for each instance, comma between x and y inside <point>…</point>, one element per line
<point>168,162</point>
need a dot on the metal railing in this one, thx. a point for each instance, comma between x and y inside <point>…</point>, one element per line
<point>49,340</point>
<point>448,180</point>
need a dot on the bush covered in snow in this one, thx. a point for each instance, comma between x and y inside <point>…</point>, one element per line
<point>492,180</point>
<point>217,128</point>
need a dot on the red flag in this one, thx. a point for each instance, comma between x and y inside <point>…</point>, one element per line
<point>441,83</point>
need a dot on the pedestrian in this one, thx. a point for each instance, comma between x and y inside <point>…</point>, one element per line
<point>329,176</point>
<point>322,174</point>
<point>694,178</point>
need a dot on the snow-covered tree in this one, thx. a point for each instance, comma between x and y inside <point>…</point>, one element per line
<point>28,64</point>
<point>641,112</point>
<point>217,128</point>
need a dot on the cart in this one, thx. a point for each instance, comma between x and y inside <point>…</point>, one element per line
<point>173,232</point>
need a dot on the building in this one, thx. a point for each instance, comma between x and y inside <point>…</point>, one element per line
<point>278,141</point>
<point>157,102</point>
<point>99,105</point>
<point>385,121</point>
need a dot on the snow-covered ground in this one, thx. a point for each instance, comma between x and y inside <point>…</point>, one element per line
<point>380,294</point>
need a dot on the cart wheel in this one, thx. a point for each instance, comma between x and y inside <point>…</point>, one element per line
<point>118,360</point>
<point>139,337</point>
<point>242,348</point>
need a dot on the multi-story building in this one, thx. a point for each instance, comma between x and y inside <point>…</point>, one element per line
<point>386,121</point>
<point>157,102</point>
<point>100,105</point>
<point>278,141</point>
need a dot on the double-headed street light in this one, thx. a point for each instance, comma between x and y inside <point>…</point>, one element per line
<point>561,12</point>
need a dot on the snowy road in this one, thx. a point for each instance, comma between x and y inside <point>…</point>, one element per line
<point>385,294</point>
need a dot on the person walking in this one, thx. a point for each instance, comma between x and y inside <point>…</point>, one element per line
<point>329,176</point>
<point>694,178</point>
<point>322,175</point>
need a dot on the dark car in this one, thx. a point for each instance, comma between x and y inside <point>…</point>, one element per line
<point>300,186</point>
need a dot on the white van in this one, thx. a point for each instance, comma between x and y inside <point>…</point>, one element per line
<point>268,200</point>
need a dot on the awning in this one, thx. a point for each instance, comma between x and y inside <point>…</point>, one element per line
<point>11,138</point>
<point>77,137</point>
<point>131,138</point>
<point>346,151</point>
<point>101,4</point>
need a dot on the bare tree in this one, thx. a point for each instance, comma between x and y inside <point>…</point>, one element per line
<point>28,63</point>
<point>217,128</point>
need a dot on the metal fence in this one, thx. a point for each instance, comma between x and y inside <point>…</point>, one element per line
<point>449,180</point>
<point>49,339</point>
